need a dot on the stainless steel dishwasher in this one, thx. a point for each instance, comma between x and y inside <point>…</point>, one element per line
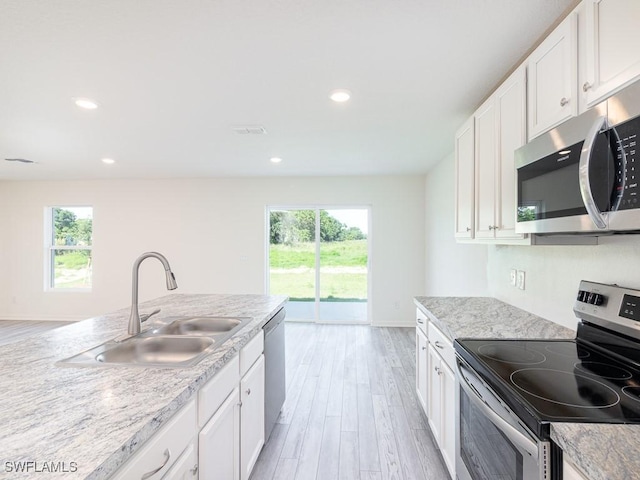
<point>275,383</point>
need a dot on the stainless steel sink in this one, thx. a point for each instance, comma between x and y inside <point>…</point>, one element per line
<point>148,351</point>
<point>203,326</point>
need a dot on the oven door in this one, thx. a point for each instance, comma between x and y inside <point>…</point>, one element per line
<point>491,443</point>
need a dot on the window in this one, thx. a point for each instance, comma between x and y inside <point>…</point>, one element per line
<point>68,243</point>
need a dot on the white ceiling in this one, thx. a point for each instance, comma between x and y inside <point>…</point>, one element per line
<point>173,77</point>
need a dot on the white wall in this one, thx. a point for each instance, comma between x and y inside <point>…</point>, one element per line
<point>211,230</point>
<point>553,273</point>
<point>452,269</point>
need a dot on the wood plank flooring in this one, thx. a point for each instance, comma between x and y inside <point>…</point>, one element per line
<point>351,410</point>
<point>11,331</point>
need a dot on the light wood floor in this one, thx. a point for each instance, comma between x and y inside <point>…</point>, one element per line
<point>10,331</point>
<point>351,410</point>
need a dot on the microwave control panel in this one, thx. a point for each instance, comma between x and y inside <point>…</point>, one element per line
<point>627,133</point>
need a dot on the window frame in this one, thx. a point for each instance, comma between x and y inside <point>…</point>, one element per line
<point>50,248</point>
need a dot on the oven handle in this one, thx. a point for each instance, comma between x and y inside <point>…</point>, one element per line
<point>583,173</point>
<point>514,435</point>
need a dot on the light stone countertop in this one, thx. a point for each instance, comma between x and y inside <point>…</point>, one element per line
<point>98,417</point>
<point>601,451</point>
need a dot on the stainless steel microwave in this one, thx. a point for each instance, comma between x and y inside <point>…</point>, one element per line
<point>582,176</point>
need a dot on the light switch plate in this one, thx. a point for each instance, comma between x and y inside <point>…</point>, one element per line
<point>520,279</point>
<point>512,277</point>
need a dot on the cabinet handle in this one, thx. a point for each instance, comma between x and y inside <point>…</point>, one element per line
<point>248,391</point>
<point>563,101</point>
<point>439,345</point>
<point>586,86</point>
<point>167,456</point>
<point>468,229</point>
<point>194,470</point>
<point>490,227</point>
<point>419,320</point>
<point>424,348</point>
<point>437,369</point>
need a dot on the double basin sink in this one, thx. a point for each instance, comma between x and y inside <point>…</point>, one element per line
<point>180,342</point>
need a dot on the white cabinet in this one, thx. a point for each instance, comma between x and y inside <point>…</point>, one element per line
<point>219,441</point>
<point>500,128</point>
<point>159,454</point>
<point>186,467</point>
<point>612,53</point>
<point>441,395</point>
<point>251,417</point>
<point>511,128</point>
<point>552,79</point>
<point>464,181</point>
<point>569,472</point>
<point>485,179</point>
<point>422,369</point>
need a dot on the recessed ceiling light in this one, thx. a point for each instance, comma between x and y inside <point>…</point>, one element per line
<point>564,152</point>
<point>340,95</point>
<point>108,161</point>
<point>85,103</point>
<point>275,159</point>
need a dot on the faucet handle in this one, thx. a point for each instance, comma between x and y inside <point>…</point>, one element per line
<point>145,316</point>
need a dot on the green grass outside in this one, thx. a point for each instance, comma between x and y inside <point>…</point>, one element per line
<point>293,271</point>
<point>350,253</point>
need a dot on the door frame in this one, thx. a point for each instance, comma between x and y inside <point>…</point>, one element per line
<point>317,207</point>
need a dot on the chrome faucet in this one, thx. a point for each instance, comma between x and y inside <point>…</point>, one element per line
<point>134,318</point>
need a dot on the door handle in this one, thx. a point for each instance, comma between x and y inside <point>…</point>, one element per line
<point>583,173</point>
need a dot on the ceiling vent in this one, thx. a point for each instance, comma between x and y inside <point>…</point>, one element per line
<point>250,130</point>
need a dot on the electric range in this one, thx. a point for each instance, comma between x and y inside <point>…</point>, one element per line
<point>514,389</point>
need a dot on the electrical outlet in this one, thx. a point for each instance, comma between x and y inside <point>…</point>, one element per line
<point>520,279</point>
<point>512,277</point>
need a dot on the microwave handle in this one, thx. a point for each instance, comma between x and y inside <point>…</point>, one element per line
<point>585,186</point>
<point>508,430</point>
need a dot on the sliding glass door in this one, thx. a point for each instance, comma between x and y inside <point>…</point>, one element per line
<point>319,258</point>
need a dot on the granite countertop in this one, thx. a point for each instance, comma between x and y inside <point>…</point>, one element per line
<point>97,417</point>
<point>601,451</point>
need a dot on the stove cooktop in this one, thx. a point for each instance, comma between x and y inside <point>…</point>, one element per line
<point>556,380</point>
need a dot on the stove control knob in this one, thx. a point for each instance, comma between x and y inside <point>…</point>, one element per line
<point>598,299</point>
<point>582,296</point>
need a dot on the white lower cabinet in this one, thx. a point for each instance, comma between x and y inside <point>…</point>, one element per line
<point>186,467</point>
<point>219,442</point>
<point>422,373</point>
<point>251,417</point>
<point>217,436</point>
<point>160,453</point>
<point>441,395</point>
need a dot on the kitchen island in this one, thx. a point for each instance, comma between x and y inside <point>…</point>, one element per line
<point>601,451</point>
<point>90,420</point>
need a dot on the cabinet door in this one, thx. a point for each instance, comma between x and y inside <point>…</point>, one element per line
<point>186,467</point>
<point>510,100</point>
<point>612,40</point>
<point>485,185</point>
<point>464,181</point>
<point>448,434</point>
<point>219,442</point>
<point>422,368</point>
<point>552,79</point>
<point>434,402</point>
<point>251,417</point>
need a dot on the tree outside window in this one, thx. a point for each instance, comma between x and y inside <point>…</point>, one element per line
<point>69,247</point>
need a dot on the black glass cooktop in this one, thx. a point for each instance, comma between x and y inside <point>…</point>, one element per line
<point>556,380</point>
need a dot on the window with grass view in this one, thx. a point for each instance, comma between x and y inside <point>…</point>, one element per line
<point>319,259</point>
<point>69,239</point>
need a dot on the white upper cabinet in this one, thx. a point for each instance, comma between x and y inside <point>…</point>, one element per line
<point>464,168</point>
<point>485,186</point>
<point>510,101</point>
<point>612,47</point>
<point>552,78</point>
